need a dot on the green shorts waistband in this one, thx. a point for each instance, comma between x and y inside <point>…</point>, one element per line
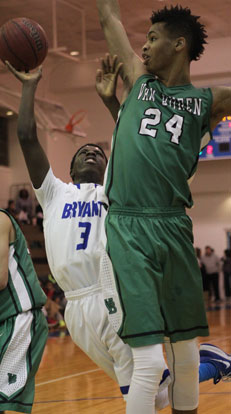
<point>148,211</point>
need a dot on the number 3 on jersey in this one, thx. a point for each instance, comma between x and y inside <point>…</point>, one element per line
<point>84,236</point>
<point>153,118</point>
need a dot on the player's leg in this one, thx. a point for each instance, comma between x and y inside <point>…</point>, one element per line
<point>183,362</point>
<point>121,355</point>
<point>214,364</point>
<point>148,367</point>
<point>85,330</point>
<point>215,277</point>
<point>184,318</point>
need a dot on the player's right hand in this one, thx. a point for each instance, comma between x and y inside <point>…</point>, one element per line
<point>106,77</point>
<point>26,77</point>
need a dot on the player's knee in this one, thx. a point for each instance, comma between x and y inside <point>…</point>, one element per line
<point>148,362</point>
<point>187,361</point>
<point>184,388</point>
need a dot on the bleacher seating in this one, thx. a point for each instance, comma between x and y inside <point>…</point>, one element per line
<point>36,244</point>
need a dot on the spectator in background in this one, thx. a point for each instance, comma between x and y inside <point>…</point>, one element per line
<point>24,206</point>
<point>226,268</point>
<point>211,262</point>
<point>54,306</point>
<point>39,216</point>
<point>204,275</point>
<point>11,209</point>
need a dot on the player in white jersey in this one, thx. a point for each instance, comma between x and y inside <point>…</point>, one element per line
<point>74,237</point>
<point>75,241</point>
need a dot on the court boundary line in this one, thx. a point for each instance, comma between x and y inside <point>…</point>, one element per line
<point>67,377</point>
<point>79,399</point>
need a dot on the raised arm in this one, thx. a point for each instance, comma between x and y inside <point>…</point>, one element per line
<point>106,82</point>
<point>5,226</point>
<point>221,104</point>
<point>35,157</point>
<point>117,40</point>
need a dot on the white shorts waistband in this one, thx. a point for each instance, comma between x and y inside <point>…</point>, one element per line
<point>80,293</point>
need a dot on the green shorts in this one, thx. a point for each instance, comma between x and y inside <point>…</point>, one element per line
<point>22,341</point>
<point>157,276</point>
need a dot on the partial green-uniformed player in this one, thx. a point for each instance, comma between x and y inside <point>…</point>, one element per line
<point>162,125</point>
<point>23,327</point>
<point>147,186</point>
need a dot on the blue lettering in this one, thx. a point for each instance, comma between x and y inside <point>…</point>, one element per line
<point>87,210</point>
<point>84,235</point>
<point>67,210</point>
<point>100,207</point>
<point>81,207</point>
<point>95,209</point>
<point>74,207</point>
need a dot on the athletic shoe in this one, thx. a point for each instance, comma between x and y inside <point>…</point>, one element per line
<point>217,357</point>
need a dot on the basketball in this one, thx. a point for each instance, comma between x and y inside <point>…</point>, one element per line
<point>23,42</point>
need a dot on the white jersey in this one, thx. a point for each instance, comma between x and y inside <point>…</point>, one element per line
<point>73,229</point>
<point>75,242</point>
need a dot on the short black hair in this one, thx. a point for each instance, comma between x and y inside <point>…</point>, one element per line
<point>86,145</point>
<point>180,22</point>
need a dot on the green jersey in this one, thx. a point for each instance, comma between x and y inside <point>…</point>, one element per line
<point>23,291</point>
<point>156,143</point>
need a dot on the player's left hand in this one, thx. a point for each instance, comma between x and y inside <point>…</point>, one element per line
<point>106,77</point>
<point>26,77</point>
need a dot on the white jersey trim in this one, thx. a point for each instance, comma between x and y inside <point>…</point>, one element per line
<point>17,281</point>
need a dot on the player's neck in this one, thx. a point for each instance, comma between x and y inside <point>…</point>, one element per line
<point>88,180</point>
<point>177,75</point>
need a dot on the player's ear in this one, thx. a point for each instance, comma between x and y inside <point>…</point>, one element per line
<point>180,44</point>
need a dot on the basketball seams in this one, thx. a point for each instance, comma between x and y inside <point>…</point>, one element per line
<point>23,43</point>
<point>10,50</point>
<point>28,39</point>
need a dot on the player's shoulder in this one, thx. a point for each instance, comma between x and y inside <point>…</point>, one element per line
<point>5,221</point>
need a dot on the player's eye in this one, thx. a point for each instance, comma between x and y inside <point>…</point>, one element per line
<point>99,153</point>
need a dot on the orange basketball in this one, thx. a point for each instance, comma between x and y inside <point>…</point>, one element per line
<point>23,42</point>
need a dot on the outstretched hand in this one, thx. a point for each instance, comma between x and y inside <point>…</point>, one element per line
<point>26,77</point>
<point>106,77</point>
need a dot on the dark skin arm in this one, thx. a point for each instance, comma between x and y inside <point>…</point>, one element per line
<point>7,236</point>
<point>106,82</point>
<point>118,42</point>
<point>35,157</point>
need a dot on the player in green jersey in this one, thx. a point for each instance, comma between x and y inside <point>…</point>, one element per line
<point>163,124</point>
<point>23,327</point>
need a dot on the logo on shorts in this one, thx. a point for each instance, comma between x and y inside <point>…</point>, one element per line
<point>110,305</point>
<point>12,378</point>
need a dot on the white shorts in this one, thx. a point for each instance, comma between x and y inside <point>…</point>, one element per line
<point>87,321</point>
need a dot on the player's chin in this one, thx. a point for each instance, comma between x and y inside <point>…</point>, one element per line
<point>91,167</point>
<point>150,69</point>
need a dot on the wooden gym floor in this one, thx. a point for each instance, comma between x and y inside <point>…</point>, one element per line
<point>68,382</point>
